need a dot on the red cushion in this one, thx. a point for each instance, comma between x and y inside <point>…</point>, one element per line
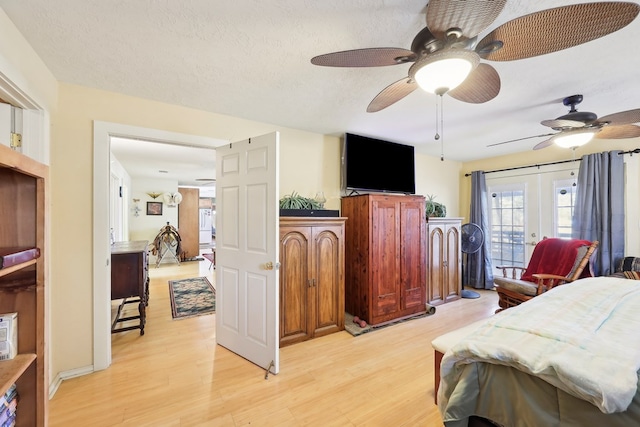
<point>554,256</point>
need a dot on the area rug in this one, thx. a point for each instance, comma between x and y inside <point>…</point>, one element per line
<point>356,330</point>
<point>192,297</point>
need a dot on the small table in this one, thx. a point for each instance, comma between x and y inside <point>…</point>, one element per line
<point>130,279</point>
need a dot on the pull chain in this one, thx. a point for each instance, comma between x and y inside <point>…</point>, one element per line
<point>437,135</point>
<point>573,155</point>
<point>441,130</point>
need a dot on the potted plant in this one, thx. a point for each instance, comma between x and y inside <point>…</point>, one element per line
<point>433,208</point>
<point>296,201</point>
<point>296,205</point>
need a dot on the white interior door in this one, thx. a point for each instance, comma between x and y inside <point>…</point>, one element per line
<point>247,249</point>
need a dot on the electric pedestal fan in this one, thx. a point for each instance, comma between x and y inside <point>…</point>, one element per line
<point>472,239</point>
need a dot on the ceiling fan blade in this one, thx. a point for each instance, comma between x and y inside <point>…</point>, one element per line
<point>392,94</point>
<point>543,144</point>
<point>559,28</point>
<point>622,118</point>
<point>371,57</point>
<point>482,85</point>
<point>561,124</point>
<point>521,139</point>
<point>618,132</point>
<point>471,16</point>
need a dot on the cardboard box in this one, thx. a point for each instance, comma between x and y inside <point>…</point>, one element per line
<point>8,336</point>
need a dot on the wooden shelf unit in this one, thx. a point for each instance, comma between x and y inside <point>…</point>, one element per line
<point>22,224</point>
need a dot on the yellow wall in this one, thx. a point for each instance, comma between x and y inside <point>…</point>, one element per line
<point>440,179</point>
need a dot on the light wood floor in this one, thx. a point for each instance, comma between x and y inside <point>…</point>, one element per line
<point>176,375</point>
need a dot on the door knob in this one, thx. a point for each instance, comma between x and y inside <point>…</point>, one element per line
<point>268,266</point>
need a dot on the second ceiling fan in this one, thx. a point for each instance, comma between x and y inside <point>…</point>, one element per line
<point>576,128</point>
<point>446,55</point>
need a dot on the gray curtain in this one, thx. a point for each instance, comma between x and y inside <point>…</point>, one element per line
<point>478,267</point>
<point>599,208</point>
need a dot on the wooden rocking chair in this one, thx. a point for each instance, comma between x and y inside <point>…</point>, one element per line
<point>553,262</point>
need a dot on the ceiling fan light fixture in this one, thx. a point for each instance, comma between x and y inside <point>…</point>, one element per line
<point>444,70</point>
<point>573,139</point>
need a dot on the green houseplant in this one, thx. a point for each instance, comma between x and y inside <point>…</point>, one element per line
<point>433,208</point>
<point>296,205</point>
<point>296,201</point>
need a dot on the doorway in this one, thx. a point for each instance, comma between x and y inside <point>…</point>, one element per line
<point>103,131</point>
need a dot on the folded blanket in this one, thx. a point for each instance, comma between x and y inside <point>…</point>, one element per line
<point>554,256</point>
<point>581,337</point>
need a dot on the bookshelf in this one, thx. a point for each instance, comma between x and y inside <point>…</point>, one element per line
<point>22,280</point>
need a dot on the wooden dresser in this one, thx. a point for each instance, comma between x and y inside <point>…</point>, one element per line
<point>130,279</point>
<point>311,277</point>
<point>385,264</point>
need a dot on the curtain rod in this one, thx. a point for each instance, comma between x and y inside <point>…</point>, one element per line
<point>636,151</point>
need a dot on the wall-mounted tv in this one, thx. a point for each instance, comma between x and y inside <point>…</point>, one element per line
<point>374,165</point>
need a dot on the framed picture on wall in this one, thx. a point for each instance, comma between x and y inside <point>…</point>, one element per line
<point>154,208</point>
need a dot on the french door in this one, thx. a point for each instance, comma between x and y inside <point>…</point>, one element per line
<point>526,207</point>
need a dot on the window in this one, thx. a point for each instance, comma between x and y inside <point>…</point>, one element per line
<point>564,202</point>
<point>507,226</point>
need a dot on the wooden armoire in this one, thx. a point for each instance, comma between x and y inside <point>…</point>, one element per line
<point>385,248</point>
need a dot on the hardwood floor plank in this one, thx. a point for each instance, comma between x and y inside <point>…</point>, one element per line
<point>176,375</point>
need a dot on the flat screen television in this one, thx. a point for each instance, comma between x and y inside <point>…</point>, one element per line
<point>374,165</point>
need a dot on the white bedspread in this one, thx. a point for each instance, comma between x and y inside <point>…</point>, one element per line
<point>582,337</point>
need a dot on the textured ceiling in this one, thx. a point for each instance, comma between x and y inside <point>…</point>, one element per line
<point>251,59</point>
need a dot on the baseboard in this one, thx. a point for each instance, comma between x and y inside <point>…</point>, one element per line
<point>53,387</point>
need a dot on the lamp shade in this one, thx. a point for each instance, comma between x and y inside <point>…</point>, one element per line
<point>444,70</point>
<point>574,138</point>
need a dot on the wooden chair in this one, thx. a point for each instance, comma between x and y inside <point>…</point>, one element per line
<point>553,262</point>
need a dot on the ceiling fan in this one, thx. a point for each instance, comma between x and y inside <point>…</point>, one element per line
<point>446,53</point>
<point>576,128</point>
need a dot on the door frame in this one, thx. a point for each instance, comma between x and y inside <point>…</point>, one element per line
<point>102,133</point>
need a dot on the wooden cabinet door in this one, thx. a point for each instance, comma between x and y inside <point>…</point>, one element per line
<point>385,260</point>
<point>326,296</point>
<point>437,263</point>
<point>453,273</point>
<point>188,221</point>
<point>412,256</point>
<point>295,257</point>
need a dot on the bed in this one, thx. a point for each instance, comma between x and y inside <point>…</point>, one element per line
<point>569,357</point>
